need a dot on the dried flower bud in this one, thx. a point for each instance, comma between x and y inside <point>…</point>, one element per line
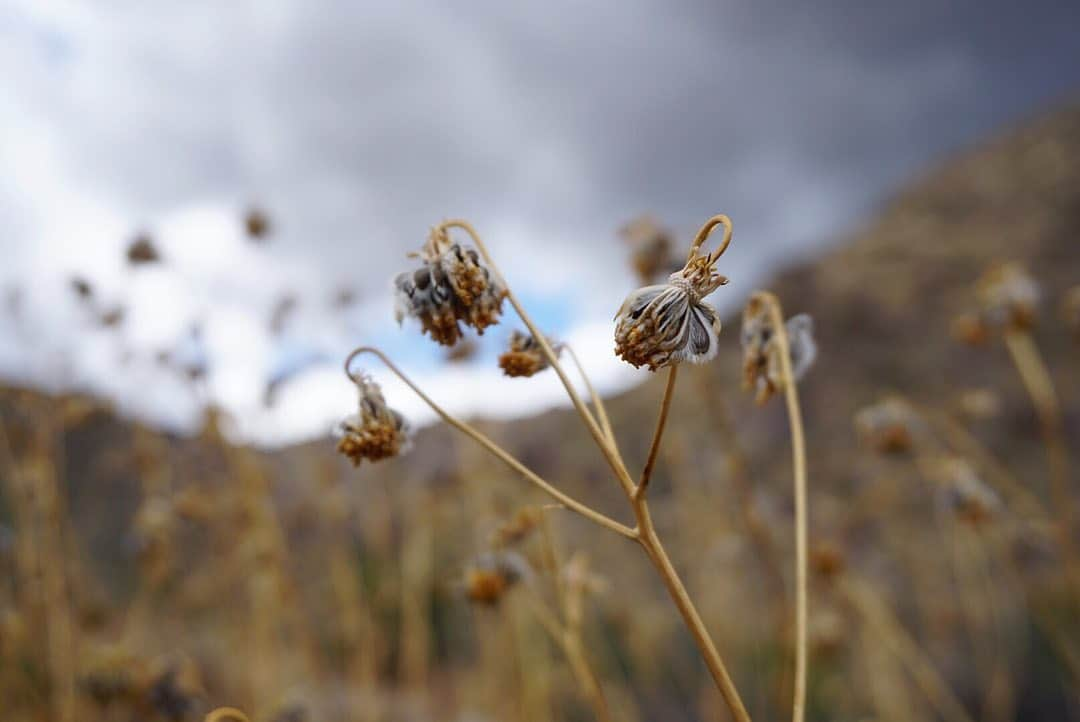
<point>964,493</point>
<point>650,248</point>
<point>376,432</point>
<point>113,317</point>
<point>82,288</point>
<point>142,251</point>
<point>1070,311</point>
<point>979,404</point>
<point>889,426</point>
<point>762,369</point>
<point>453,286</point>
<point>827,560</point>
<point>1009,297</point>
<point>525,357</point>
<point>669,323</point>
<point>970,329</point>
<point>518,528</point>
<point>257,224</point>
<point>492,575</point>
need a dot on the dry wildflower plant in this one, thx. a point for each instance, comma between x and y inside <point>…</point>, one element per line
<point>658,326</point>
<point>1008,300</point>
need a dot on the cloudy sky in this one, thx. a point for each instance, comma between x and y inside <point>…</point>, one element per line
<point>359,125</point>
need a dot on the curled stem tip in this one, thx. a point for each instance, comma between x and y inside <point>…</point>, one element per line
<point>221,714</point>
<point>706,231</point>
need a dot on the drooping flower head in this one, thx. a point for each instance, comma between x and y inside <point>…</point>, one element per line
<point>451,287</point>
<point>891,426</point>
<point>1008,297</point>
<point>669,323</point>
<point>963,493</point>
<point>376,431</point>
<point>525,357</point>
<point>762,369</point>
<point>490,576</point>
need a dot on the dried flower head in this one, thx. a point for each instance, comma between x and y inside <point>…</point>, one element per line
<point>82,288</point>
<point>1070,311</point>
<point>142,251</point>
<point>827,559</point>
<point>452,286</point>
<point>762,369</point>
<point>376,431</point>
<point>257,224</point>
<point>651,248</point>
<point>889,426</point>
<point>970,329</point>
<point>965,494</point>
<point>979,404</point>
<point>669,323</point>
<point>490,576</point>
<point>112,317</point>
<point>1008,297</point>
<point>525,357</point>
<point>518,528</point>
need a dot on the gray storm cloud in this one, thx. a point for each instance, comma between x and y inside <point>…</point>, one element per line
<point>358,125</point>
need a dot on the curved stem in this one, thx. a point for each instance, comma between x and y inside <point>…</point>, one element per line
<point>597,402</point>
<point>661,422</point>
<point>610,453</point>
<point>226,713</point>
<point>798,450</point>
<point>503,455</point>
<point>704,232</point>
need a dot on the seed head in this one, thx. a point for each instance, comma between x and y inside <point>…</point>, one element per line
<point>669,323</point>
<point>965,494</point>
<point>257,224</point>
<point>1008,297</point>
<point>375,432</point>
<point>525,357</point>
<point>828,560</point>
<point>142,251</point>
<point>889,426</point>
<point>452,286</point>
<point>82,288</point>
<point>490,576</point>
<point>518,528</point>
<point>970,329</point>
<point>762,369</point>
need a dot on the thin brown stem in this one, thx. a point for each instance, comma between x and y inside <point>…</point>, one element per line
<point>496,450</point>
<point>1040,388</point>
<point>901,644</point>
<point>661,422</point>
<point>677,591</point>
<point>608,449</point>
<point>570,643</point>
<point>597,402</point>
<point>798,450</point>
